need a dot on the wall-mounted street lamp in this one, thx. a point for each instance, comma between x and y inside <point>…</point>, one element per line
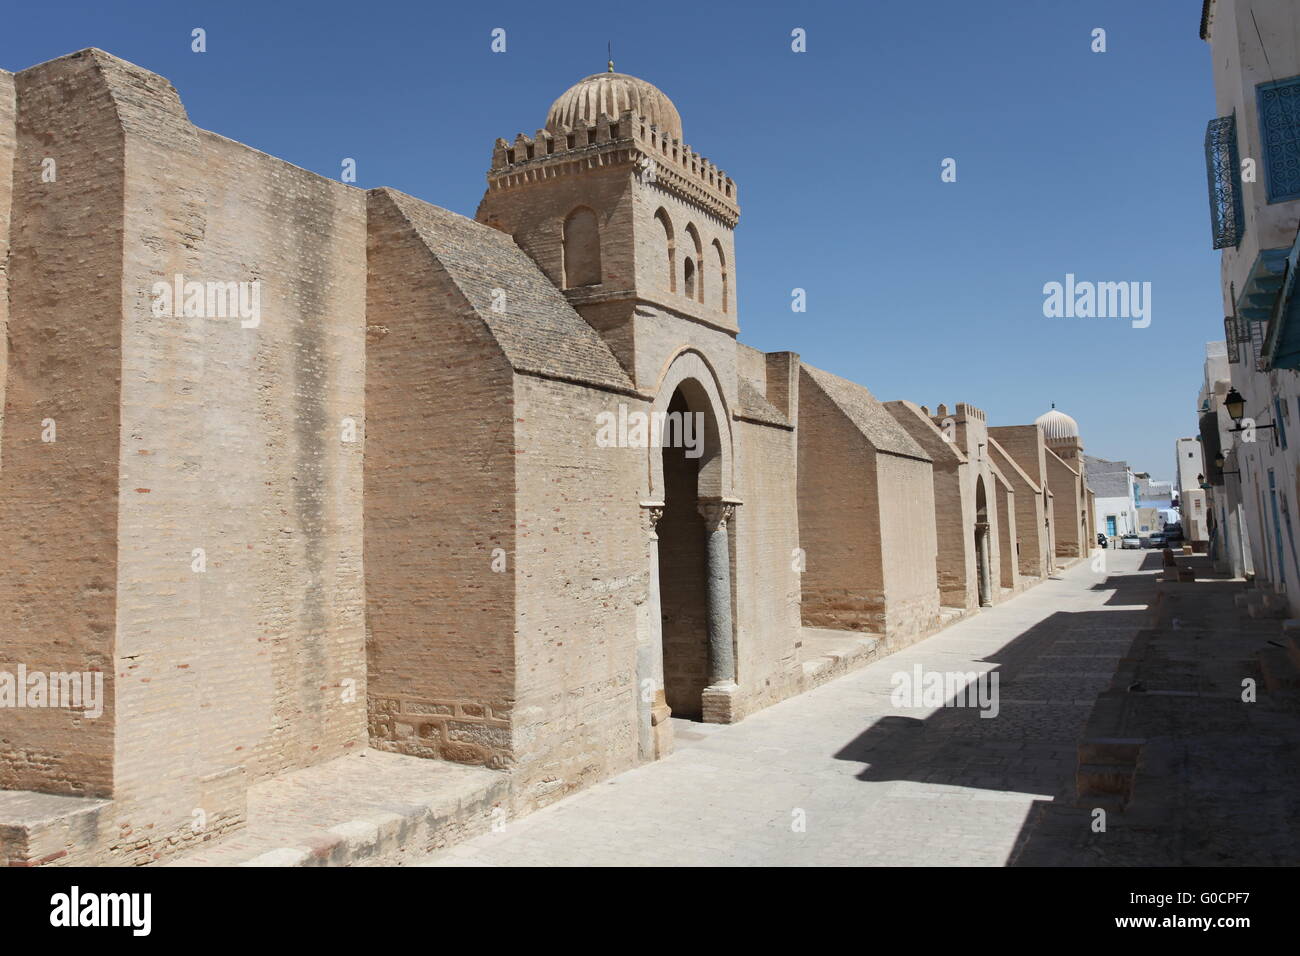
<point>1236,406</point>
<point>1220,461</point>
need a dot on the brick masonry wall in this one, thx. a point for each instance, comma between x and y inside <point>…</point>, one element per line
<point>503,616</point>
<point>8,148</point>
<point>58,501</point>
<point>440,500</point>
<point>653,281</point>
<point>767,586</point>
<point>661,336</point>
<point>1008,564</point>
<point>534,215</point>
<point>843,586</point>
<point>634,252</point>
<point>972,435</point>
<point>219,437</point>
<point>956,578</point>
<point>1067,507</point>
<point>615,323</point>
<point>908,544</point>
<point>1028,516</point>
<point>954,504</point>
<point>581,576</point>
<point>1023,444</point>
<point>234,441</point>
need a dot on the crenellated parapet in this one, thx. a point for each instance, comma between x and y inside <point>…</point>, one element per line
<point>627,139</point>
<point>961,412</point>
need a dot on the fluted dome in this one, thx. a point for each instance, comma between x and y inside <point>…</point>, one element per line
<point>1057,426</point>
<point>611,94</point>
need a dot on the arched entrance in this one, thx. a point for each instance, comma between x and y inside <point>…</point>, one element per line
<point>982,570</point>
<point>683,589</point>
<point>690,480</point>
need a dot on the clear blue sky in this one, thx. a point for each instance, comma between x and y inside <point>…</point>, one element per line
<point>1067,161</point>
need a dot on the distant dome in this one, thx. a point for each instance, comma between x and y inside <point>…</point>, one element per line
<point>611,94</point>
<point>1057,426</point>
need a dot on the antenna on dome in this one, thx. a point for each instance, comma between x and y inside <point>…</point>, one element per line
<point>609,48</point>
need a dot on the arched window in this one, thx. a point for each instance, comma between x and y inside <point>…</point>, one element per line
<point>581,249</point>
<point>689,274</point>
<point>668,247</point>
<point>695,289</point>
<point>722,272</point>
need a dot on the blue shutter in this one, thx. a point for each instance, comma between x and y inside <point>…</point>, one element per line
<point>1279,127</point>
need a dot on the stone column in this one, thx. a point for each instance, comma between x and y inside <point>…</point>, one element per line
<point>985,572</point>
<point>719,696</point>
<point>654,732</point>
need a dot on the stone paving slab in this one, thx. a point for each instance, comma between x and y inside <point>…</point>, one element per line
<point>1216,780</point>
<point>840,776</point>
<point>363,809</point>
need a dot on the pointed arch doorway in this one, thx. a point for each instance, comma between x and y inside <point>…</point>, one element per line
<point>694,657</point>
<point>694,557</point>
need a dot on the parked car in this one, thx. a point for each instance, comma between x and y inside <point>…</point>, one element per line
<point>1102,540</point>
<point>1156,540</point>
<point>1173,533</point>
<point>1130,541</point>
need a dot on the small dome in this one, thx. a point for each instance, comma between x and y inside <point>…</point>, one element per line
<point>611,94</point>
<point>1057,426</point>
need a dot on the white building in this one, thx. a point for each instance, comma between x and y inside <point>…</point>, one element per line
<point>1114,496</point>
<point>1218,507</point>
<point>1190,471</point>
<point>1153,501</point>
<point>1252,149</point>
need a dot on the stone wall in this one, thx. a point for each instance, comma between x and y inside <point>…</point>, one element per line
<point>768,586</point>
<point>1022,445</point>
<point>980,471</point>
<point>199,533</point>
<point>59,500</point>
<point>534,214</point>
<point>440,501</point>
<point>908,546</point>
<point>654,282</point>
<point>953,503</point>
<point>1027,501</point>
<point>839,523</point>
<point>581,577</point>
<point>1067,505</point>
<point>1008,540</point>
<point>200,510</point>
<point>8,149</point>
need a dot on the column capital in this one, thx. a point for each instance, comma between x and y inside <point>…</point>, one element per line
<point>651,512</point>
<point>718,511</point>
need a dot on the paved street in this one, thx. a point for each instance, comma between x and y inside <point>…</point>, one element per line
<point>841,776</point>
